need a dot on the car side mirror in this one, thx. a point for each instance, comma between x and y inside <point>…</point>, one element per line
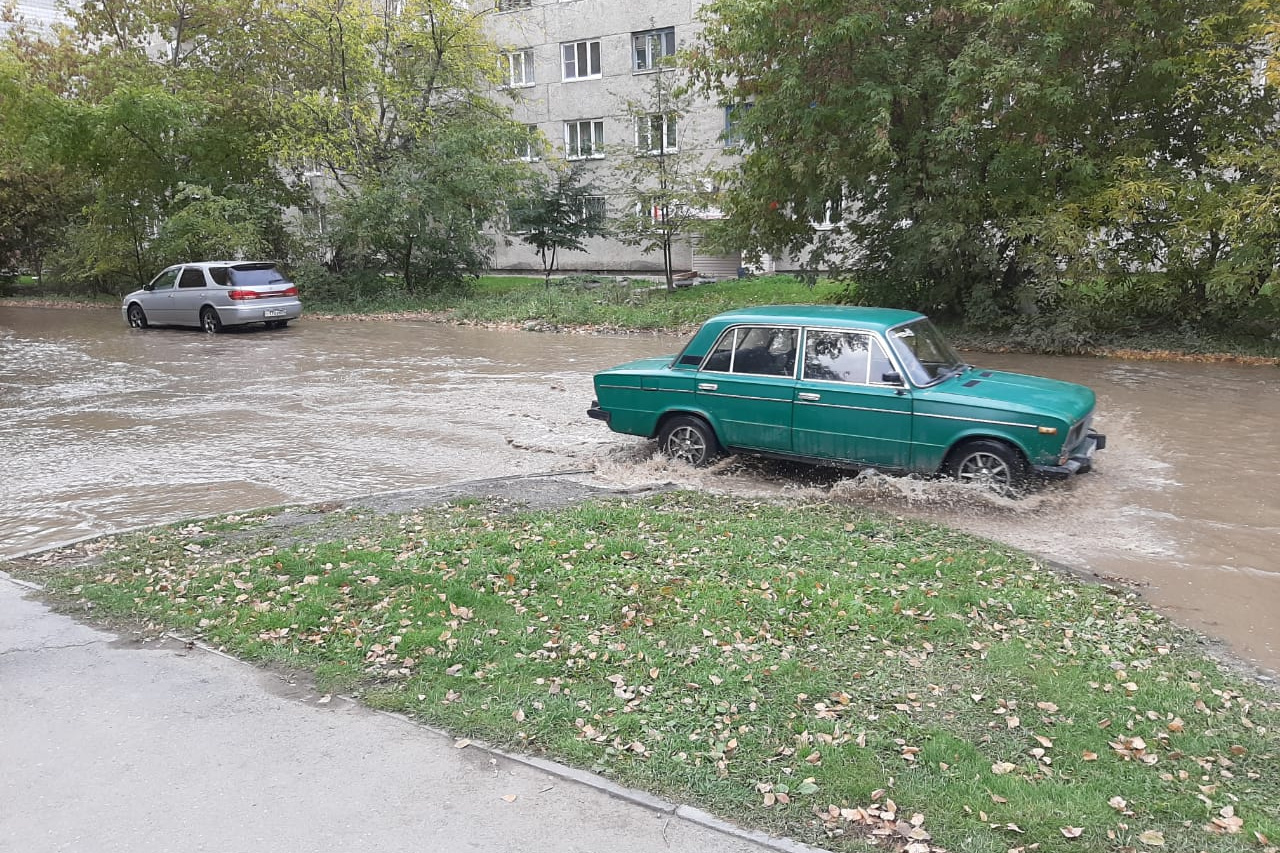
<point>148,286</point>
<point>891,378</point>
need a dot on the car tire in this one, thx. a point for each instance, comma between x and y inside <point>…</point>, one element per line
<point>137,317</point>
<point>988,463</point>
<point>210,321</point>
<point>689,439</point>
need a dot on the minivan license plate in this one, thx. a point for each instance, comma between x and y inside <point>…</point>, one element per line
<point>273,312</point>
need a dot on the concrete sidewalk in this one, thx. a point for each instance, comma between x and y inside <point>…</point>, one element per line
<point>110,745</point>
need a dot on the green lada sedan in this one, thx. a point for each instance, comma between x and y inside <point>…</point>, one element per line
<point>850,387</point>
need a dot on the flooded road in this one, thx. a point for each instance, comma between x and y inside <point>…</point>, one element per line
<point>103,427</point>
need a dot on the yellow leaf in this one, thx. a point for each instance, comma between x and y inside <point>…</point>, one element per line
<point>1152,838</point>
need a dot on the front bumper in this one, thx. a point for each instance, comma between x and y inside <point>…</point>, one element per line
<point>1080,460</point>
<point>597,413</point>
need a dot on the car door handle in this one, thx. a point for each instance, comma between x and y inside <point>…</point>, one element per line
<point>707,386</point>
<point>805,395</point>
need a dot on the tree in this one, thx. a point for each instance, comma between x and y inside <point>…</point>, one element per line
<point>422,215</point>
<point>663,181</point>
<point>558,214</point>
<point>984,153</point>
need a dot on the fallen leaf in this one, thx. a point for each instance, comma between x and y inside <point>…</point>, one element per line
<point>461,743</point>
<point>1000,768</point>
<point>510,798</point>
<point>1152,838</point>
<point>1071,831</point>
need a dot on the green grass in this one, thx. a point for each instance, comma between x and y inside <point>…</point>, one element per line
<point>793,668</point>
<point>611,302</point>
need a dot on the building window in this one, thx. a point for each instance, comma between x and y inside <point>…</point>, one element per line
<point>512,5</point>
<point>593,208</point>
<point>584,139</point>
<point>656,133</point>
<point>527,149</point>
<point>649,47</point>
<point>517,68</point>
<point>581,59</point>
<point>733,114</point>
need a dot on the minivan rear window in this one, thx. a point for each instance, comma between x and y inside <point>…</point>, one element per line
<point>248,275</point>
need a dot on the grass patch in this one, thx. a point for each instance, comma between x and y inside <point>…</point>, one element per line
<point>604,301</point>
<point>809,670</point>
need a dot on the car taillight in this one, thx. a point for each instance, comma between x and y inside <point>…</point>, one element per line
<point>291,290</point>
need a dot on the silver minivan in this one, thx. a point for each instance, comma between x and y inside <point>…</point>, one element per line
<point>214,294</point>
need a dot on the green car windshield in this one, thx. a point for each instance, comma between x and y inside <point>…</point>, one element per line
<point>924,352</point>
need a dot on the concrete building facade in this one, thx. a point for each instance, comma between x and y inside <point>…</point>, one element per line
<point>574,69</point>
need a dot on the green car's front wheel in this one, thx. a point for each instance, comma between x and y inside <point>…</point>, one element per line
<point>689,439</point>
<point>988,463</point>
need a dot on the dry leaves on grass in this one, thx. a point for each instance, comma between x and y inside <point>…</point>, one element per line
<point>881,823</point>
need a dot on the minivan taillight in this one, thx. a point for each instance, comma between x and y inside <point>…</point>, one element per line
<point>291,290</point>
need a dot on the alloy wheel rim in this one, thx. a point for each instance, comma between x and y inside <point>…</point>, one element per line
<point>986,469</point>
<point>686,444</point>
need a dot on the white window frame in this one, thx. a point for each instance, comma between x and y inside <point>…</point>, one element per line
<point>530,153</point>
<point>650,47</point>
<point>731,138</point>
<point>573,149</point>
<point>517,69</point>
<point>575,55</point>
<point>598,202</point>
<point>663,125</point>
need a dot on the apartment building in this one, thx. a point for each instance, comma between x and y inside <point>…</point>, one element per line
<point>571,68</point>
<point>41,14</point>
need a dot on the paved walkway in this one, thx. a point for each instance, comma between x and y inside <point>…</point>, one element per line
<point>109,745</point>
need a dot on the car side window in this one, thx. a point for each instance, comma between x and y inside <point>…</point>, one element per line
<point>166,280</point>
<point>755,351</point>
<point>853,357</point>
<point>191,277</point>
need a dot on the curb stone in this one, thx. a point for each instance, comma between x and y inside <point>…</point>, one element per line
<point>586,778</point>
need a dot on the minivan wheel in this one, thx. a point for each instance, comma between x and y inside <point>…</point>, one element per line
<point>987,463</point>
<point>210,321</point>
<point>689,439</point>
<point>137,317</point>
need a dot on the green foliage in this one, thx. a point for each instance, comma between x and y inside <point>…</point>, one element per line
<point>205,226</point>
<point>553,215</point>
<point>663,183</point>
<point>1000,152</point>
<point>122,117</point>
<point>422,215</point>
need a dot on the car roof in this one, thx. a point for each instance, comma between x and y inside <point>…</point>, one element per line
<point>880,319</point>
<point>205,264</point>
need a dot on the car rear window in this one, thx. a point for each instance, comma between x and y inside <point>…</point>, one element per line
<point>248,275</point>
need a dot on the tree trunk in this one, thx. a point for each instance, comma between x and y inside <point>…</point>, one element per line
<point>666,264</point>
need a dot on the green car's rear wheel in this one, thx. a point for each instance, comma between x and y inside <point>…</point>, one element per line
<point>689,439</point>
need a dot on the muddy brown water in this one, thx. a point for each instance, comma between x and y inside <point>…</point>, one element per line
<point>103,427</point>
